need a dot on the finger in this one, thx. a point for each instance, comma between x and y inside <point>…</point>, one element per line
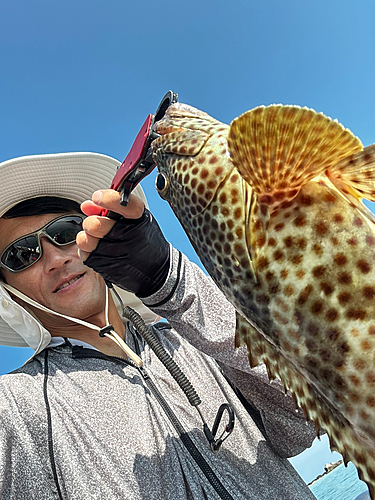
<point>97,226</point>
<point>110,200</point>
<point>90,208</point>
<point>86,243</point>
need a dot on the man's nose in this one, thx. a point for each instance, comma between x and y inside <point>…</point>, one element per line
<point>55,256</point>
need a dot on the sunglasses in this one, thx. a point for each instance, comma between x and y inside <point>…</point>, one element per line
<point>24,252</point>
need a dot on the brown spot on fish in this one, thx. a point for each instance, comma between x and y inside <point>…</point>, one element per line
<point>237,213</point>
<point>260,241</point>
<point>300,221</point>
<point>300,274</point>
<point>219,171</point>
<point>368,292</point>
<point>269,276</point>
<point>273,289</point>
<point>234,178</point>
<point>363,266</point>
<point>344,297</point>
<point>304,295</point>
<point>302,243</point>
<point>338,218</point>
<point>366,345</point>
<point>278,255</point>
<point>239,249</point>
<point>354,379</point>
<point>330,198</point>
<point>280,195</point>
<point>230,224</point>
<point>263,262</point>
<point>340,259</point>
<point>317,249</point>
<point>306,199</point>
<point>357,222</point>
<point>353,242</point>
<point>284,274</point>
<point>370,401</point>
<point>327,288</point>
<point>354,397</point>
<point>370,240</point>
<point>204,173</point>
<point>213,159</point>
<point>296,259</point>
<point>359,364</point>
<point>344,278</point>
<point>371,330</point>
<point>318,271</point>
<point>335,241</point>
<point>195,170</point>
<point>313,329</point>
<point>289,290</point>
<point>321,228</point>
<point>333,334</point>
<point>272,242</point>
<point>317,307</point>
<point>370,377</point>
<point>288,241</point>
<point>356,314</point>
<point>279,226</point>
<point>332,315</point>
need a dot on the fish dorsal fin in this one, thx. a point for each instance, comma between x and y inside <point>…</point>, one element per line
<point>356,174</point>
<point>278,149</point>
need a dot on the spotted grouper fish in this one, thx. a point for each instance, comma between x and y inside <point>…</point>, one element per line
<point>272,204</point>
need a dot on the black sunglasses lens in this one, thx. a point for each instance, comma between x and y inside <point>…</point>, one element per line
<point>65,230</point>
<point>22,253</point>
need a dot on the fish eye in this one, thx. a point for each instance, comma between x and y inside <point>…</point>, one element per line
<point>161,184</point>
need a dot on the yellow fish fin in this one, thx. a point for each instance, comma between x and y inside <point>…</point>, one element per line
<point>355,174</point>
<point>278,149</point>
<point>357,448</point>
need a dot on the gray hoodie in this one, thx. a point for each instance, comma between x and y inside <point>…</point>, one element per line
<point>76,424</point>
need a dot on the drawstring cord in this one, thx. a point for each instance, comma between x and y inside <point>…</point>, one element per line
<point>156,346</point>
<point>181,379</point>
<point>107,331</point>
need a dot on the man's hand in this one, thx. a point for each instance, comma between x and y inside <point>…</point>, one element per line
<point>95,226</point>
<point>130,252</point>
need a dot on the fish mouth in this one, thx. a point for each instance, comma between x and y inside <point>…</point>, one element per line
<point>67,281</point>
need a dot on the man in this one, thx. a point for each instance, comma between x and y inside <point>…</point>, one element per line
<point>84,419</point>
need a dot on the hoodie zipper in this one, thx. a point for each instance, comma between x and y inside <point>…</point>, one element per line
<point>82,352</point>
<point>184,436</point>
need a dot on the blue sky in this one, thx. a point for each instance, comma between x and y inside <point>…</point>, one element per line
<point>83,75</point>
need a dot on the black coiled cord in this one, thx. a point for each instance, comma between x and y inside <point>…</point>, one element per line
<point>162,354</point>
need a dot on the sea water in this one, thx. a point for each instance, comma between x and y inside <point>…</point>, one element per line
<point>340,484</point>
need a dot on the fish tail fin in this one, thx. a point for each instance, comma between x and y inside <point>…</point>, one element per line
<point>278,149</point>
<point>356,174</point>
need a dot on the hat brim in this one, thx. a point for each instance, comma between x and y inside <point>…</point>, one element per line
<point>74,176</point>
<point>67,175</point>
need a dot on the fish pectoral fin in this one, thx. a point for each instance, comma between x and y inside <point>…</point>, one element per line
<point>278,149</point>
<point>355,174</point>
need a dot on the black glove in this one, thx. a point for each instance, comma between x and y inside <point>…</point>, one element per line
<point>134,255</point>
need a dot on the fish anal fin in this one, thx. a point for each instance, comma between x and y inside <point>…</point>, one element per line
<point>278,149</point>
<point>243,332</point>
<point>355,174</point>
<point>352,445</point>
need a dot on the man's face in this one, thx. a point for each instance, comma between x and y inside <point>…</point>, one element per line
<point>58,280</point>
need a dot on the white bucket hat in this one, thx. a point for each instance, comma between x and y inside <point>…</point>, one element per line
<point>74,176</point>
